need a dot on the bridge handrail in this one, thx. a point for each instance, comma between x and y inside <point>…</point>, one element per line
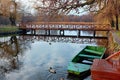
<point>77,25</point>
<point>68,23</point>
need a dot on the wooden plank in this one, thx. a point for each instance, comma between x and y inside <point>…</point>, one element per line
<point>89,56</point>
<point>93,52</point>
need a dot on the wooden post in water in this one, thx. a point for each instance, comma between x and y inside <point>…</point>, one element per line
<point>60,32</point>
<point>31,31</point>
<point>49,32</point>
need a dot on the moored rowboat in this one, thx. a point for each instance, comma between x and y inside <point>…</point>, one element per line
<point>82,62</point>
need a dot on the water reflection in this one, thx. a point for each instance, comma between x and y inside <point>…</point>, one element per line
<point>9,50</point>
<point>70,36</point>
<point>25,58</point>
<point>61,39</point>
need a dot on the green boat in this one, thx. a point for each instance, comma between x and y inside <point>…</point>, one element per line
<point>82,62</point>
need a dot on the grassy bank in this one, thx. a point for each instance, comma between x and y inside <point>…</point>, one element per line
<point>8,28</point>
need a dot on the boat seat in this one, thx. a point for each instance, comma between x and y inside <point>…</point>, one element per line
<point>89,56</point>
<point>93,52</point>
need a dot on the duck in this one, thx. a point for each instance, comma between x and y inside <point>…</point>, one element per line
<point>52,70</point>
<point>61,78</point>
<point>50,43</point>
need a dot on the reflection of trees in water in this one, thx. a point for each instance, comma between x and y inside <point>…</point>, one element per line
<point>103,42</point>
<point>9,51</point>
<point>8,54</point>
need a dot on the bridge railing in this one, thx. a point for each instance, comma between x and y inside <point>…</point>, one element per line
<point>66,26</point>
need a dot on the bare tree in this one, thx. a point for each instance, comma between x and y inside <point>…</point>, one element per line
<point>8,8</point>
<point>108,8</point>
<point>4,7</point>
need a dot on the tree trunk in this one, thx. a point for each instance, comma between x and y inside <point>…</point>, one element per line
<point>117,26</point>
<point>12,20</point>
<point>112,22</point>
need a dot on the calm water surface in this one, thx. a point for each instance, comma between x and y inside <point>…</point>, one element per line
<point>22,58</point>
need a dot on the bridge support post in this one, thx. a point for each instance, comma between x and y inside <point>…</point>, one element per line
<point>94,33</point>
<point>78,33</point>
<point>31,31</point>
<point>60,33</point>
<point>49,32</point>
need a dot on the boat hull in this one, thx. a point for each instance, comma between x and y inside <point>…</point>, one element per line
<point>105,70</point>
<point>82,62</point>
<point>78,68</point>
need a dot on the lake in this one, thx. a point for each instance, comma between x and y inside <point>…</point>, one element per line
<point>30,57</point>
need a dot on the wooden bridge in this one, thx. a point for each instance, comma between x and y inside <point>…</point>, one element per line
<point>61,27</point>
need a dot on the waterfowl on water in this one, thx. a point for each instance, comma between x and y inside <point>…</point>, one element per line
<point>50,43</point>
<point>52,70</point>
<point>61,78</point>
